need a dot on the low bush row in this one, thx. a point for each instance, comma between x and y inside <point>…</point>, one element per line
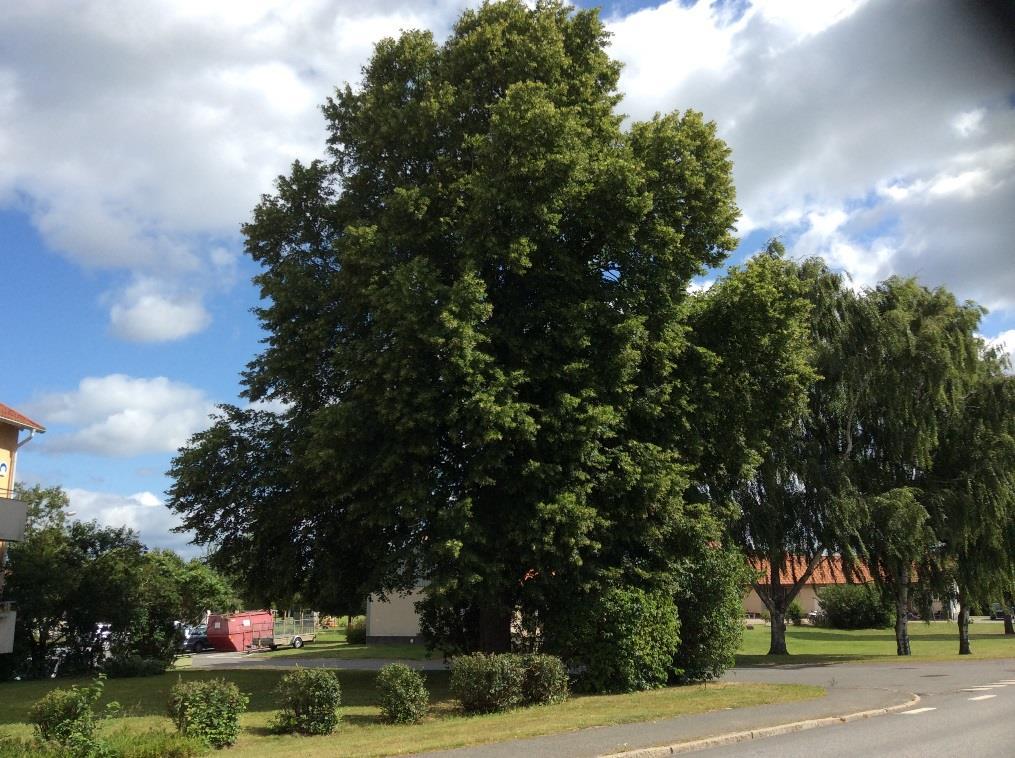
<point>207,713</point>
<point>489,683</point>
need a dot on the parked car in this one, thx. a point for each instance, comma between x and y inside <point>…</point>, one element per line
<point>195,639</point>
<point>997,612</point>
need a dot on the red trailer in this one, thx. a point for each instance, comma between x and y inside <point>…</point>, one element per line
<point>237,632</point>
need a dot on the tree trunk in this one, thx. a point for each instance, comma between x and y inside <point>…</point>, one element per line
<point>1009,628</point>
<point>964,648</point>
<point>902,611</point>
<point>778,644</point>
<point>777,603</point>
<point>494,629</point>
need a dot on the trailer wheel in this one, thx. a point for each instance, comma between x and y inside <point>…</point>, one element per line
<point>273,647</point>
<point>297,642</point>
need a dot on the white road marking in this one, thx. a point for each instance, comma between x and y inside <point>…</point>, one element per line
<point>976,689</point>
<point>919,710</point>
<point>982,697</point>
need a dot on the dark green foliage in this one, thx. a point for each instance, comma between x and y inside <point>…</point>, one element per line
<point>66,717</point>
<point>477,319</point>
<point>68,576</point>
<point>854,606</point>
<point>620,641</point>
<point>546,680</point>
<point>308,701</point>
<point>208,710</point>
<point>792,503</point>
<point>123,666</point>
<point>403,694</point>
<point>710,606</point>
<point>356,632</point>
<point>488,683</point>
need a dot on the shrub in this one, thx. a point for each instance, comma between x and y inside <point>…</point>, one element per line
<point>309,700</point>
<point>404,697</point>
<point>487,683</point>
<point>795,614</point>
<point>124,666</point>
<point>710,606</point>
<point>356,632</point>
<point>65,716</point>
<point>620,641</point>
<point>208,710</point>
<point>545,680</point>
<point>854,606</point>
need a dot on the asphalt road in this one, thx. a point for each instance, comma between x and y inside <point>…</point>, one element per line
<point>851,688</point>
<point>974,721</point>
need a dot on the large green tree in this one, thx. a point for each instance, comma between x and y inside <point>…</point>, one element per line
<point>477,321</point>
<point>970,491</point>
<point>791,504</point>
<point>919,361</point>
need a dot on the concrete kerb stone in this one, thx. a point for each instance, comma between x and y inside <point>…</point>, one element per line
<point>756,734</point>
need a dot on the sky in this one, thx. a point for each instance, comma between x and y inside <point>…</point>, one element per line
<point>135,139</point>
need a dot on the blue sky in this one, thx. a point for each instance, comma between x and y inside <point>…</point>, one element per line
<point>136,138</point>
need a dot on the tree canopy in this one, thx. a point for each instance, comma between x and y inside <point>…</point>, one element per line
<point>479,327</point>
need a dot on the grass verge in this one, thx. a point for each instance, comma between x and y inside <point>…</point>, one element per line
<point>362,733</point>
<point>936,641</point>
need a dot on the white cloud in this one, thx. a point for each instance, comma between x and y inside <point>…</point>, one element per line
<point>895,115</point>
<point>139,136</point>
<point>143,314</point>
<point>1005,341</point>
<point>968,123</point>
<point>143,512</point>
<point>122,416</point>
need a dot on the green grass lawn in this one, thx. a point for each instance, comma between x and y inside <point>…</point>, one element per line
<point>937,641</point>
<point>361,732</point>
<point>331,643</point>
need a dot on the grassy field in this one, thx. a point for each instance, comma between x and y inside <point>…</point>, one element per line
<point>937,641</point>
<point>361,732</point>
<point>331,643</point>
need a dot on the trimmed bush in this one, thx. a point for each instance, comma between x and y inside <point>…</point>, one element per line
<point>620,641</point>
<point>208,710</point>
<point>65,716</point>
<point>710,606</point>
<point>854,606</point>
<point>356,632</point>
<point>487,683</point>
<point>125,666</point>
<point>545,681</point>
<point>404,697</point>
<point>308,700</point>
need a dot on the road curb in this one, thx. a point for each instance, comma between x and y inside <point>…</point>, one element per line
<point>755,734</point>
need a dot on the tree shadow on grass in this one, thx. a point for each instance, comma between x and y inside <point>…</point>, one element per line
<point>802,660</point>
<point>832,635</point>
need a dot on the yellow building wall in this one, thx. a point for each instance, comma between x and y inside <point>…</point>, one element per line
<point>808,599</point>
<point>8,448</point>
<point>394,619</point>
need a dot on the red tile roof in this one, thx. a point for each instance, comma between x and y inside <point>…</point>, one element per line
<point>830,570</point>
<point>11,416</point>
